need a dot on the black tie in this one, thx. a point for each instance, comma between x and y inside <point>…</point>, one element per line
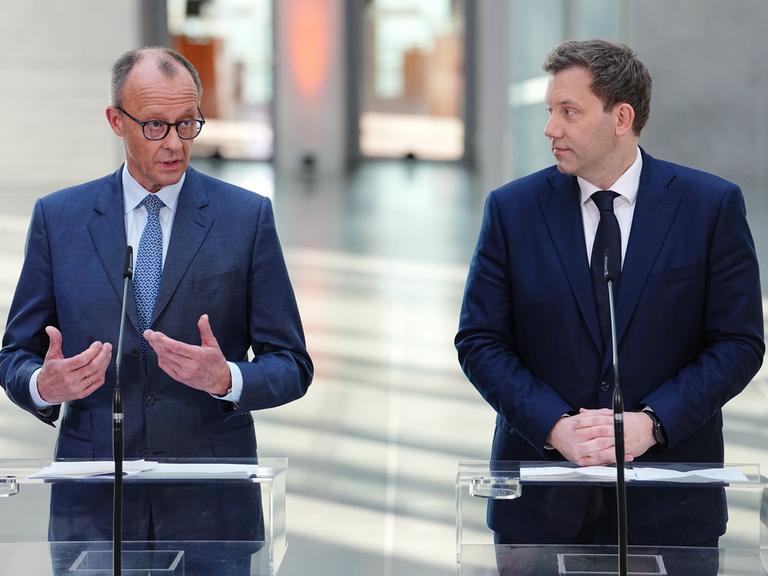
<point>607,242</point>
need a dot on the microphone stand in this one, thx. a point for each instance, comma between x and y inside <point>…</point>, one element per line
<point>117,430</point>
<point>618,424</point>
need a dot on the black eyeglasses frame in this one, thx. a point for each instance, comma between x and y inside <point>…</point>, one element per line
<point>200,121</point>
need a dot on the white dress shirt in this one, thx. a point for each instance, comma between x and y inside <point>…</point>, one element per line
<point>623,205</point>
<point>135,220</point>
<point>136,215</point>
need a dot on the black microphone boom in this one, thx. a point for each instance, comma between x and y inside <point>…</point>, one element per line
<point>611,273</point>
<point>117,428</point>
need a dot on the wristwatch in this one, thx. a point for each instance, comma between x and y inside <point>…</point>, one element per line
<point>658,429</point>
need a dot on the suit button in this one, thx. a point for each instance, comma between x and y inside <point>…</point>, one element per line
<point>149,399</point>
<point>135,352</point>
<point>604,386</point>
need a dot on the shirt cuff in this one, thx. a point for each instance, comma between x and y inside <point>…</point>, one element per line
<point>236,390</point>
<point>37,400</point>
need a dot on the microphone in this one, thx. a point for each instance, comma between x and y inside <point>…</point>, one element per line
<point>611,273</point>
<point>117,427</point>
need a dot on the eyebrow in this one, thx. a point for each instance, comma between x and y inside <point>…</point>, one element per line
<point>190,113</point>
<point>567,102</point>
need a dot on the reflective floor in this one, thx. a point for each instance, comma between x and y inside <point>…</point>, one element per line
<point>378,261</point>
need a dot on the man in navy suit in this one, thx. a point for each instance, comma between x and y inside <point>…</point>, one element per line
<point>689,319</point>
<point>188,385</point>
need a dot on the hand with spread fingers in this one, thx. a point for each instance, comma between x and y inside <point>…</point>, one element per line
<point>201,367</point>
<point>63,379</point>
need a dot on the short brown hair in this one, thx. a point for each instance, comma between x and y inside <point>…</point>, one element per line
<point>618,75</point>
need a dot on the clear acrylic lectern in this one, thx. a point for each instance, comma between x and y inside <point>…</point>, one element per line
<point>181,517</point>
<point>737,493</point>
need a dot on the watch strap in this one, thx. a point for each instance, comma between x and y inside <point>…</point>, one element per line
<point>658,429</point>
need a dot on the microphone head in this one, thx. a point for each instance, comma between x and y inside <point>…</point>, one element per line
<point>610,266</point>
<point>128,270</point>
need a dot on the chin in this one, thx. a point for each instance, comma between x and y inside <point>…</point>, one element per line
<point>168,178</point>
<point>565,169</point>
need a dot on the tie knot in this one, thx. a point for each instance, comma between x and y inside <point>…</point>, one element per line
<point>604,200</point>
<point>153,204</point>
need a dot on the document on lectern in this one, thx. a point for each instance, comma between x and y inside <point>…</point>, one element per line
<point>152,470</point>
<point>88,469</point>
<point>638,474</point>
<point>169,470</point>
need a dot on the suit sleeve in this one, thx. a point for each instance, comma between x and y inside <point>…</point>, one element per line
<point>733,329</point>
<point>487,341</point>
<point>281,370</point>
<point>33,308</point>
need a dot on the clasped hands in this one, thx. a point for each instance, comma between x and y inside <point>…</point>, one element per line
<point>201,367</point>
<point>587,438</point>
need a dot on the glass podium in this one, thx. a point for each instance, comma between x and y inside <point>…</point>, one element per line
<point>181,517</point>
<point>666,503</point>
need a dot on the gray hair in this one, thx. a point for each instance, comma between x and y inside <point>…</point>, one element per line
<point>618,75</point>
<point>167,62</point>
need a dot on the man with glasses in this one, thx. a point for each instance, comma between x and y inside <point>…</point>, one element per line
<point>210,284</point>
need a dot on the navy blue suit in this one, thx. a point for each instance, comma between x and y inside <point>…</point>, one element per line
<point>689,322</point>
<point>224,260</point>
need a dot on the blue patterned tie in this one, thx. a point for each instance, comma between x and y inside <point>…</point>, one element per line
<point>149,265</point>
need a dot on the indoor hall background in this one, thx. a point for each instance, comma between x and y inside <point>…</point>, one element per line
<point>378,255</point>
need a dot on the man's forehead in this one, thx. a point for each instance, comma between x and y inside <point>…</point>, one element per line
<point>151,88</point>
<point>559,94</point>
<point>568,86</point>
<point>162,90</point>
<point>153,70</point>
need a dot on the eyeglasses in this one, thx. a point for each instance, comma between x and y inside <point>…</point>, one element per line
<point>158,129</point>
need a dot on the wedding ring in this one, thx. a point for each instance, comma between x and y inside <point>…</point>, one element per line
<point>88,379</point>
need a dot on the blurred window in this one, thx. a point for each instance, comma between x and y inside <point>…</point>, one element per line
<point>230,42</point>
<point>412,89</point>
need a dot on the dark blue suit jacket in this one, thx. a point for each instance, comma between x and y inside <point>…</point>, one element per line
<point>224,260</point>
<point>688,314</point>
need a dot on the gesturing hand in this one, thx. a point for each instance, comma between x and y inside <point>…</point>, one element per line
<point>202,367</point>
<point>63,379</point>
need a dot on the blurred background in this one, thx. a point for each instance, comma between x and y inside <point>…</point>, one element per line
<point>377,127</point>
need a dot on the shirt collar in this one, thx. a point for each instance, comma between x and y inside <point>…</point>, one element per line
<point>626,186</point>
<point>134,193</point>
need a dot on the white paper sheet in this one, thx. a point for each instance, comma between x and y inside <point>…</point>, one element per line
<point>639,474</point>
<point>150,469</point>
<point>88,469</point>
<point>206,470</point>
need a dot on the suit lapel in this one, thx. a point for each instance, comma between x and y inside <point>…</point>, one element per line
<point>190,227</point>
<point>562,213</point>
<point>107,229</point>
<point>656,207</point>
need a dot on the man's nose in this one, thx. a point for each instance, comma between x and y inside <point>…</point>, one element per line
<point>552,128</point>
<point>172,139</point>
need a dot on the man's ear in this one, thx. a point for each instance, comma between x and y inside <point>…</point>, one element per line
<point>115,120</point>
<point>624,116</point>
